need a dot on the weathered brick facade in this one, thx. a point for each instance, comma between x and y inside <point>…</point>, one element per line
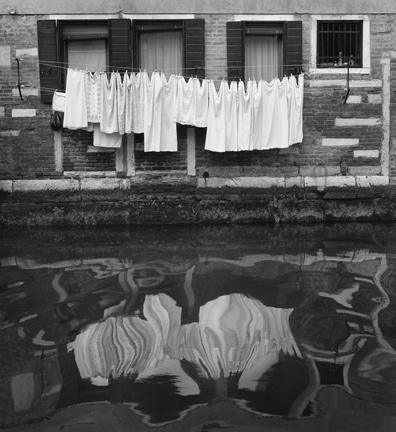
<point>345,144</point>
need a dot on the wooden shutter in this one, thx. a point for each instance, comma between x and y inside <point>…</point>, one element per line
<point>120,50</point>
<point>235,51</point>
<point>292,33</point>
<point>194,30</point>
<point>48,59</point>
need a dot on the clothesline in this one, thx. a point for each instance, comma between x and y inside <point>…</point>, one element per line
<point>123,69</point>
<point>255,116</point>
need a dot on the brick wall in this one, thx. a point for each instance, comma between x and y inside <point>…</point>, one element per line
<point>162,161</point>
<point>78,157</point>
<point>27,141</point>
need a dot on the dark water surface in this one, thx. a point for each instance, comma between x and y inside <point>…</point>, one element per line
<point>241,328</point>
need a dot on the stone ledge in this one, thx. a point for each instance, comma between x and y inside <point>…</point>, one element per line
<point>264,182</point>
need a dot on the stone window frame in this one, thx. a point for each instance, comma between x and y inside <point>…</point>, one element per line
<point>366,60</point>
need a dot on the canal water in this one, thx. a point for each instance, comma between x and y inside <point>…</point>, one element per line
<point>201,328</point>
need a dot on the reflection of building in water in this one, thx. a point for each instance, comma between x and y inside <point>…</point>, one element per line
<point>263,331</point>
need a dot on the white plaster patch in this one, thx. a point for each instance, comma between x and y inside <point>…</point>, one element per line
<point>242,182</point>
<point>357,122</point>
<point>340,142</point>
<point>10,133</point>
<point>25,92</point>
<point>354,99</point>
<point>6,185</point>
<point>366,153</point>
<point>259,182</point>
<point>5,56</point>
<point>294,181</point>
<point>375,99</point>
<point>319,182</point>
<point>340,181</point>
<point>43,185</point>
<point>26,52</point>
<point>342,83</point>
<point>90,174</point>
<point>332,181</point>
<point>95,184</point>
<point>23,112</point>
<point>367,181</point>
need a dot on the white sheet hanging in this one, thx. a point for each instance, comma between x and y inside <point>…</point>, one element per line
<point>222,132</point>
<point>138,101</point>
<point>109,114</point>
<point>122,85</point>
<point>296,96</point>
<point>93,97</point>
<point>160,113</point>
<point>270,123</point>
<point>192,102</point>
<point>102,139</point>
<point>75,116</point>
<point>245,114</point>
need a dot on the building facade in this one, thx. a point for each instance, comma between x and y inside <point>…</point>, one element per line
<point>343,168</point>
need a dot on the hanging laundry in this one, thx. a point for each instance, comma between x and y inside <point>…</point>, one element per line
<point>93,97</point>
<point>75,116</point>
<point>296,96</point>
<point>222,132</point>
<point>138,101</point>
<point>109,114</point>
<point>192,102</point>
<point>128,102</point>
<point>270,115</point>
<point>202,103</point>
<point>103,139</point>
<point>160,113</point>
<point>122,85</point>
<point>245,114</point>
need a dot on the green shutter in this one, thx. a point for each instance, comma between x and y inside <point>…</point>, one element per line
<point>48,59</point>
<point>292,34</point>
<point>194,30</point>
<point>120,50</point>
<point>235,51</point>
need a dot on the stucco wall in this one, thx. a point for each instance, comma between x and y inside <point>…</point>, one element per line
<point>200,6</point>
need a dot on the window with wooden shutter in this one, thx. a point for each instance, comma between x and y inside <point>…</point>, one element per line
<point>235,50</point>
<point>194,30</point>
<point>263,50</point>
<point>83,44</point>
<point>48,55</point>
<point>293,47</point>
<point>174,47</point>
<point>120,50</point>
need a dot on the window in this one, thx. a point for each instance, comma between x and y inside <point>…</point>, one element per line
<point>331,35</point>
<point>339,42</point>
<point>263,50</point>
<point>172,46</point>
<point>159,46</point>
<point>84,45</point>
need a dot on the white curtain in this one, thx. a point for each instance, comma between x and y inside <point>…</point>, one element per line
<point>87,54</point>
<point>263,57</point>
<point>161,51</point>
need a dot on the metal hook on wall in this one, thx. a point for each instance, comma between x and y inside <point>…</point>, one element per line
<point>19,79</point>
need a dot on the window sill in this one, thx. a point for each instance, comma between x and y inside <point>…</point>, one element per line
<point>340,71</point>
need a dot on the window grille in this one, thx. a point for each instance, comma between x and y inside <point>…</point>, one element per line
<point>339,42</point>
